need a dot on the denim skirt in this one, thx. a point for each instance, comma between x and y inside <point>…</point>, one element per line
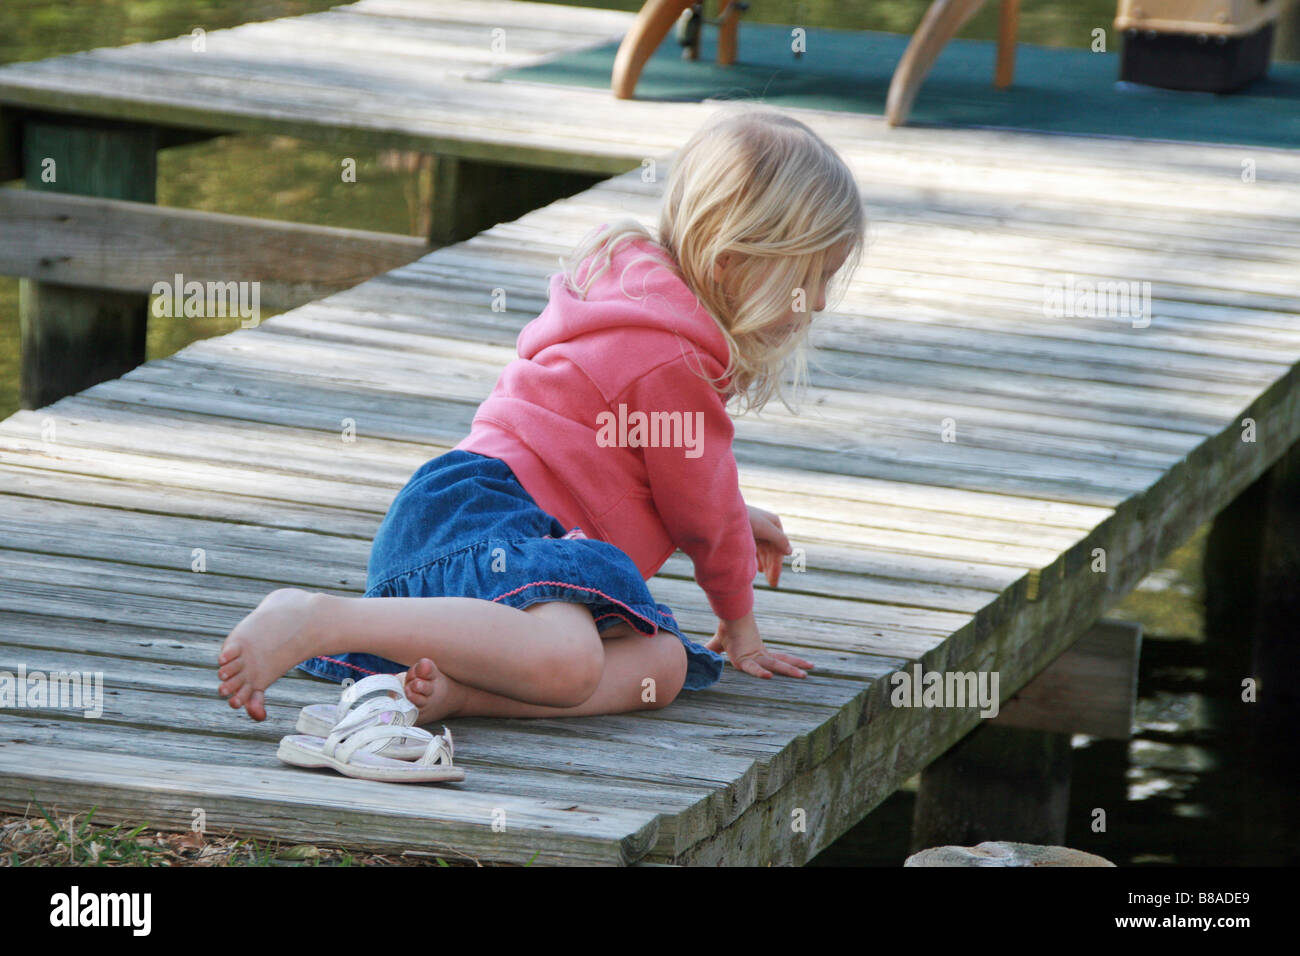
<point>464,526</point>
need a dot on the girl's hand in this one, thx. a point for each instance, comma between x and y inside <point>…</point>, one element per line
<point>740,641</point>
<point>771,542</point>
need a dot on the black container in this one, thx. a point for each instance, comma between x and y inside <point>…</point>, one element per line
<point>1182,61</point>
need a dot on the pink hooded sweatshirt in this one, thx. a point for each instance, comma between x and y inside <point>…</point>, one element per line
<point>608,425</point>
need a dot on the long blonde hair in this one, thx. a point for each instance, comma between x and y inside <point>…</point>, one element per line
<point>765,188</point>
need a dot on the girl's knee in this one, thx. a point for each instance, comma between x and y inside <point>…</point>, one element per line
<point>585,666</point>
<point>670,670</point>
<point>575,658</point>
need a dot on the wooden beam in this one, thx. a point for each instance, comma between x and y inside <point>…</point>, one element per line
<point>997,783</point>
<point>1008,21</point>
<point>11,127</point>
<point>283,803</point>
<point>121,246</point>
<point>11,157</point>
<point>73,338</point>
<point>1252,603</point>
<point>729,32</point>
<point>1090,689</point>
<point>1009,778</point>
<point>470,196</point>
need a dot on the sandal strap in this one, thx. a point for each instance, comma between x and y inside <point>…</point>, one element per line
<point>376,722</point>
<point>368,687</point>
<point>371,738</point>
<point>403,714</point>
<point>439,752</point>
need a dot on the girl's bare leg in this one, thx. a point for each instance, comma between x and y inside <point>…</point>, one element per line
<point>549,654</point>
<point>641,673</point>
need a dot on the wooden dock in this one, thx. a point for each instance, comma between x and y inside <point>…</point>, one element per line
<point>143,517</point>
<point>412,75</point>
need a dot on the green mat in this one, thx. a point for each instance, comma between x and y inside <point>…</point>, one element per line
<point>1056,89</point>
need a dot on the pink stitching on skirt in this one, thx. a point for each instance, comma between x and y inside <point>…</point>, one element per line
<point>581,587</point>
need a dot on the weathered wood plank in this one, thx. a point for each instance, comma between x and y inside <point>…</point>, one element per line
<point>289,805</point>
<point>130,247</point>
<point>795,620</point>
<point>838,567</point>
<point>839,452</point>
<point>451,126</point>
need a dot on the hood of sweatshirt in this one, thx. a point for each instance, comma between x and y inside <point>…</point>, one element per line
<point>640,289</point>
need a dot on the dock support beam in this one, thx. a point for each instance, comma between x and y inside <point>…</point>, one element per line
<point>72,337</point>
<point>1009,778</point>
<point>1252,604</point>
<point>996,783</point>
<point>471,195</point>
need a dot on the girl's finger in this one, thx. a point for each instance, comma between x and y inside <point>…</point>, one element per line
<point>790,659</point>
<point>753,667</point>
<point>783,667</point>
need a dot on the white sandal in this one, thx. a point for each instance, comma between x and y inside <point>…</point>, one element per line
<point>317,720</point>
<point>354,744</point>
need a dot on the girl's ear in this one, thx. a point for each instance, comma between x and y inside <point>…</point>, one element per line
<point>720,266</point>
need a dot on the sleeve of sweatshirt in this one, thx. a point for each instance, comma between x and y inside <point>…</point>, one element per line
<point>696,486</point>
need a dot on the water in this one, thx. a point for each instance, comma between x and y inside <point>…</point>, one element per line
<point>1175,794</point>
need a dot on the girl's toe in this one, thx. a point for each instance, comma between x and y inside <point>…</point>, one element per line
<point>257,705</point>
<point>232,669</point>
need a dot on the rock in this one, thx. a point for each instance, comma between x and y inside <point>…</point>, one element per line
<point>990,853</point>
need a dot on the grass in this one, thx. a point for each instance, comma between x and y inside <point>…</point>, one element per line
<point>47,838</point>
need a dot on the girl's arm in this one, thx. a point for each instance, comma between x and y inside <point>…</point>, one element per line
<point>739,638</point>
<point>695,486</point>
<point>697,495</point>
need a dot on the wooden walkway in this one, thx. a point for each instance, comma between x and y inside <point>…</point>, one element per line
<point>1072,434</point>
<point>397,74</point>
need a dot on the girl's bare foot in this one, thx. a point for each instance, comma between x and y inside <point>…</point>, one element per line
<point>262,648</point>
<point>436,694</point>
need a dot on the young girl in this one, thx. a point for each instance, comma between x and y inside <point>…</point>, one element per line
<point>513,568</point>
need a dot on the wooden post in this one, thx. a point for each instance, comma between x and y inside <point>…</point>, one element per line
<point>996,783</point>
<point>1252,600</point>
<point>1009,778</point>
<point>472,195</point>
<point>11,157</point>
<point>728,32</point>
<point>72,337</point>
<point>1286,35</point>
<point>1008,21</point>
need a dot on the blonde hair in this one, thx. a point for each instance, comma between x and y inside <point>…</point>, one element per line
<point>763,187</point>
